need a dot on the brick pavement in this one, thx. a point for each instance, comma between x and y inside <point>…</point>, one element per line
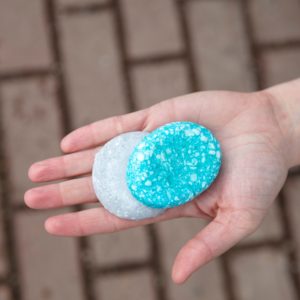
<point>64,63</point>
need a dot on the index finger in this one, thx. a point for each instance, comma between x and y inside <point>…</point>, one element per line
<point>101,131</point>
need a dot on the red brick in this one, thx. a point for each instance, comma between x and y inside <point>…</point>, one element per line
<point>292,194</point>
<point>93,67</point>
<point>23,35</point>
<point>220,45</point>
<point>31,127</point>
<point>127,246</point>
<point>270,229</point>
<point>281,66</point>
<point>5,293</point>
<point>152,27</point>
<point>262,274</point>
<point>276,20</point>
<point>48,265</point>
<point>206,283</point>
<point>157,82</point>
<point>134,286</point>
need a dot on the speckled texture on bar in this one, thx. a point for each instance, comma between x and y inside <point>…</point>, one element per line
<point>173,164</point>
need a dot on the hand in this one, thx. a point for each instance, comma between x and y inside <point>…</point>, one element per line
<point>255,165</point>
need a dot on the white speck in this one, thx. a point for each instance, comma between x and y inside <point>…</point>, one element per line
<point>203,159</point>
<point>211,145</point>
<point>158,156</point>
<point>168,151</point>
<point>203,138</point>
<point>194,177</point>
<point>203,184</point>
<point>212,152</point>
<point>141,145</point>
<point>134,187</point>
<point>148,183</point>
<point>218,154</point>
<point>140,156</point>
<point>189,132</point>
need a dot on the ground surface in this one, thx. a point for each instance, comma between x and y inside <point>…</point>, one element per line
<point>65,63</point>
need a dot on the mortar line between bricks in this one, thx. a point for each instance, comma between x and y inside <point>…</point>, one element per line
<point>186,39</point>
<point>90,8</point>
<point>292,256</point>
<point>131,103</point>
<point>227,277</point>
<point>294,173</point>
<point>250,246</point>
<point>26,74</point>
<point>157,59</point>
<point>123,267</point>
<point>279,46</point>
<point>4,281</point>
<point>63,105</point>
<point>8,223</point>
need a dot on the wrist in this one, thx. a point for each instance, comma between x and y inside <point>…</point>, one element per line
<point>286,105</point>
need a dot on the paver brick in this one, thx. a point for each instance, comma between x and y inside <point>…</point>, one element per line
<point>93,68</point>
<point>206,283</point>
<point>23,35</point>
<point>131,285</point>
<point>5,293</point>
<point>270,229</point>
<point>292,198</point>
<point>152,27</point>
<point>276,20</point>
<point>220,46</point>
<point>126,246</point>
<point>262,274</point>
<point>31,127</point>
<point>281,66</point>
<point>157,82</point>
<point>49,265</point>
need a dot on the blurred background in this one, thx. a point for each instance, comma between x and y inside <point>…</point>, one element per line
<point>65,63</point>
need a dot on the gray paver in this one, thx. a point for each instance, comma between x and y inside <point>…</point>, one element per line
<point>23,35</point>
<point>220,46</point>
<point>93,70</point>
<point>263,274</point>
<point>49,265</point>
<point>31,128</point>
<point>152,27</point>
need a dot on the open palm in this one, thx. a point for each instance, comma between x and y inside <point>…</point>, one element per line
<point>252,173</point>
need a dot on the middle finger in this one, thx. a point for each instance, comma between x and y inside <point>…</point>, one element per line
<point>63,166</point>
<point>66,193</point>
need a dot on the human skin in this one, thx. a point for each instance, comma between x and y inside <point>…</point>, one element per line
<point>260,138</point>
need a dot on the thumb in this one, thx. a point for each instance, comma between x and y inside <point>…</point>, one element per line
<point>223,232</point>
